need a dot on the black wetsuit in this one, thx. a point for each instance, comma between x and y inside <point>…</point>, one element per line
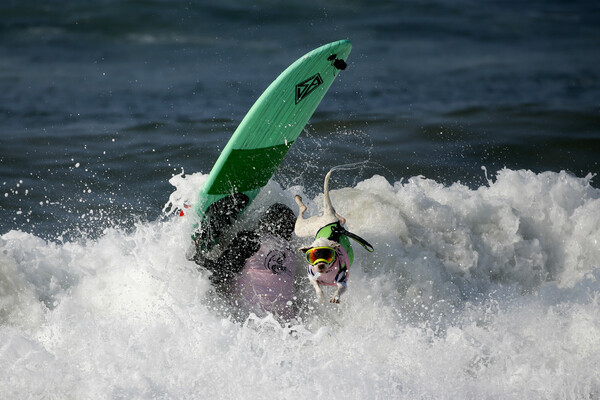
<point>277,220</point>
<point>232,259</point>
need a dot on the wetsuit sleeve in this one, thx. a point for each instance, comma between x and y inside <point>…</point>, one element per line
<point>233,258</point>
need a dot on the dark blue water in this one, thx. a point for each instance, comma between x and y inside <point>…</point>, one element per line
<point>102,103</point>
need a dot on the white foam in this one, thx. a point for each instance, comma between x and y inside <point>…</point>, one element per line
<point>487,293</point>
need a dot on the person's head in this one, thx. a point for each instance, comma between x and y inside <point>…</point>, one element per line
<point>278,220</point>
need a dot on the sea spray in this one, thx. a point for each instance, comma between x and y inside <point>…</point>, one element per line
<point>490,292</point>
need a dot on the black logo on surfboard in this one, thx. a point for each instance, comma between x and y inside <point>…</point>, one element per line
<point>307,86</point>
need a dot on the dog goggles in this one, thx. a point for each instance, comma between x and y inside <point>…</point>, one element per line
<point>320,254</point>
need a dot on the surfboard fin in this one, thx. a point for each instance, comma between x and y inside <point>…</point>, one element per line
<point>337,62</point>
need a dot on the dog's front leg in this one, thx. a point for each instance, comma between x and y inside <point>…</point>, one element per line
<point>337,294</point>
<point>320,296</point>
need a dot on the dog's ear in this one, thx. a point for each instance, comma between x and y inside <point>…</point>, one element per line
<point>334,245</point>
<point>304,249</point>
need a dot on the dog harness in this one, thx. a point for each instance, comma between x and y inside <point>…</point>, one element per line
<point>337,273</point>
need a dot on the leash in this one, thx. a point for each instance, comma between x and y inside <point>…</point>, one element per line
<point>338,230</point>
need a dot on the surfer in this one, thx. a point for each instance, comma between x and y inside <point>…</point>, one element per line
<point>256,270</point>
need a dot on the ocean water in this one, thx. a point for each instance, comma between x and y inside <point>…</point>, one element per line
<point>477,127</point>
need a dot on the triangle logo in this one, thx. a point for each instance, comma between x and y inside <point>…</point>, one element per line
<point>307,86</point>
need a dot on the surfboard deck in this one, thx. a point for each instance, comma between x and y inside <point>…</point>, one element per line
<point>265,135</point>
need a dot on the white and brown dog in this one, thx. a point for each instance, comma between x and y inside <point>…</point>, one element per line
<point>330,255</point>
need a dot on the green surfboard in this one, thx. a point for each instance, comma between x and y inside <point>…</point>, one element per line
<point>267,132</point>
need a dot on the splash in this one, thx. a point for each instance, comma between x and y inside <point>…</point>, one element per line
<point>490,293</point>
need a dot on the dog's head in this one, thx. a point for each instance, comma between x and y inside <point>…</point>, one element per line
<point>321,254</point>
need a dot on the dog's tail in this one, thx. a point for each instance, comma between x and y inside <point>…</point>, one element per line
<point>327,201</point>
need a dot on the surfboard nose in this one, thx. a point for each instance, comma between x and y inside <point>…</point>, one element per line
<point>342,49</point>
